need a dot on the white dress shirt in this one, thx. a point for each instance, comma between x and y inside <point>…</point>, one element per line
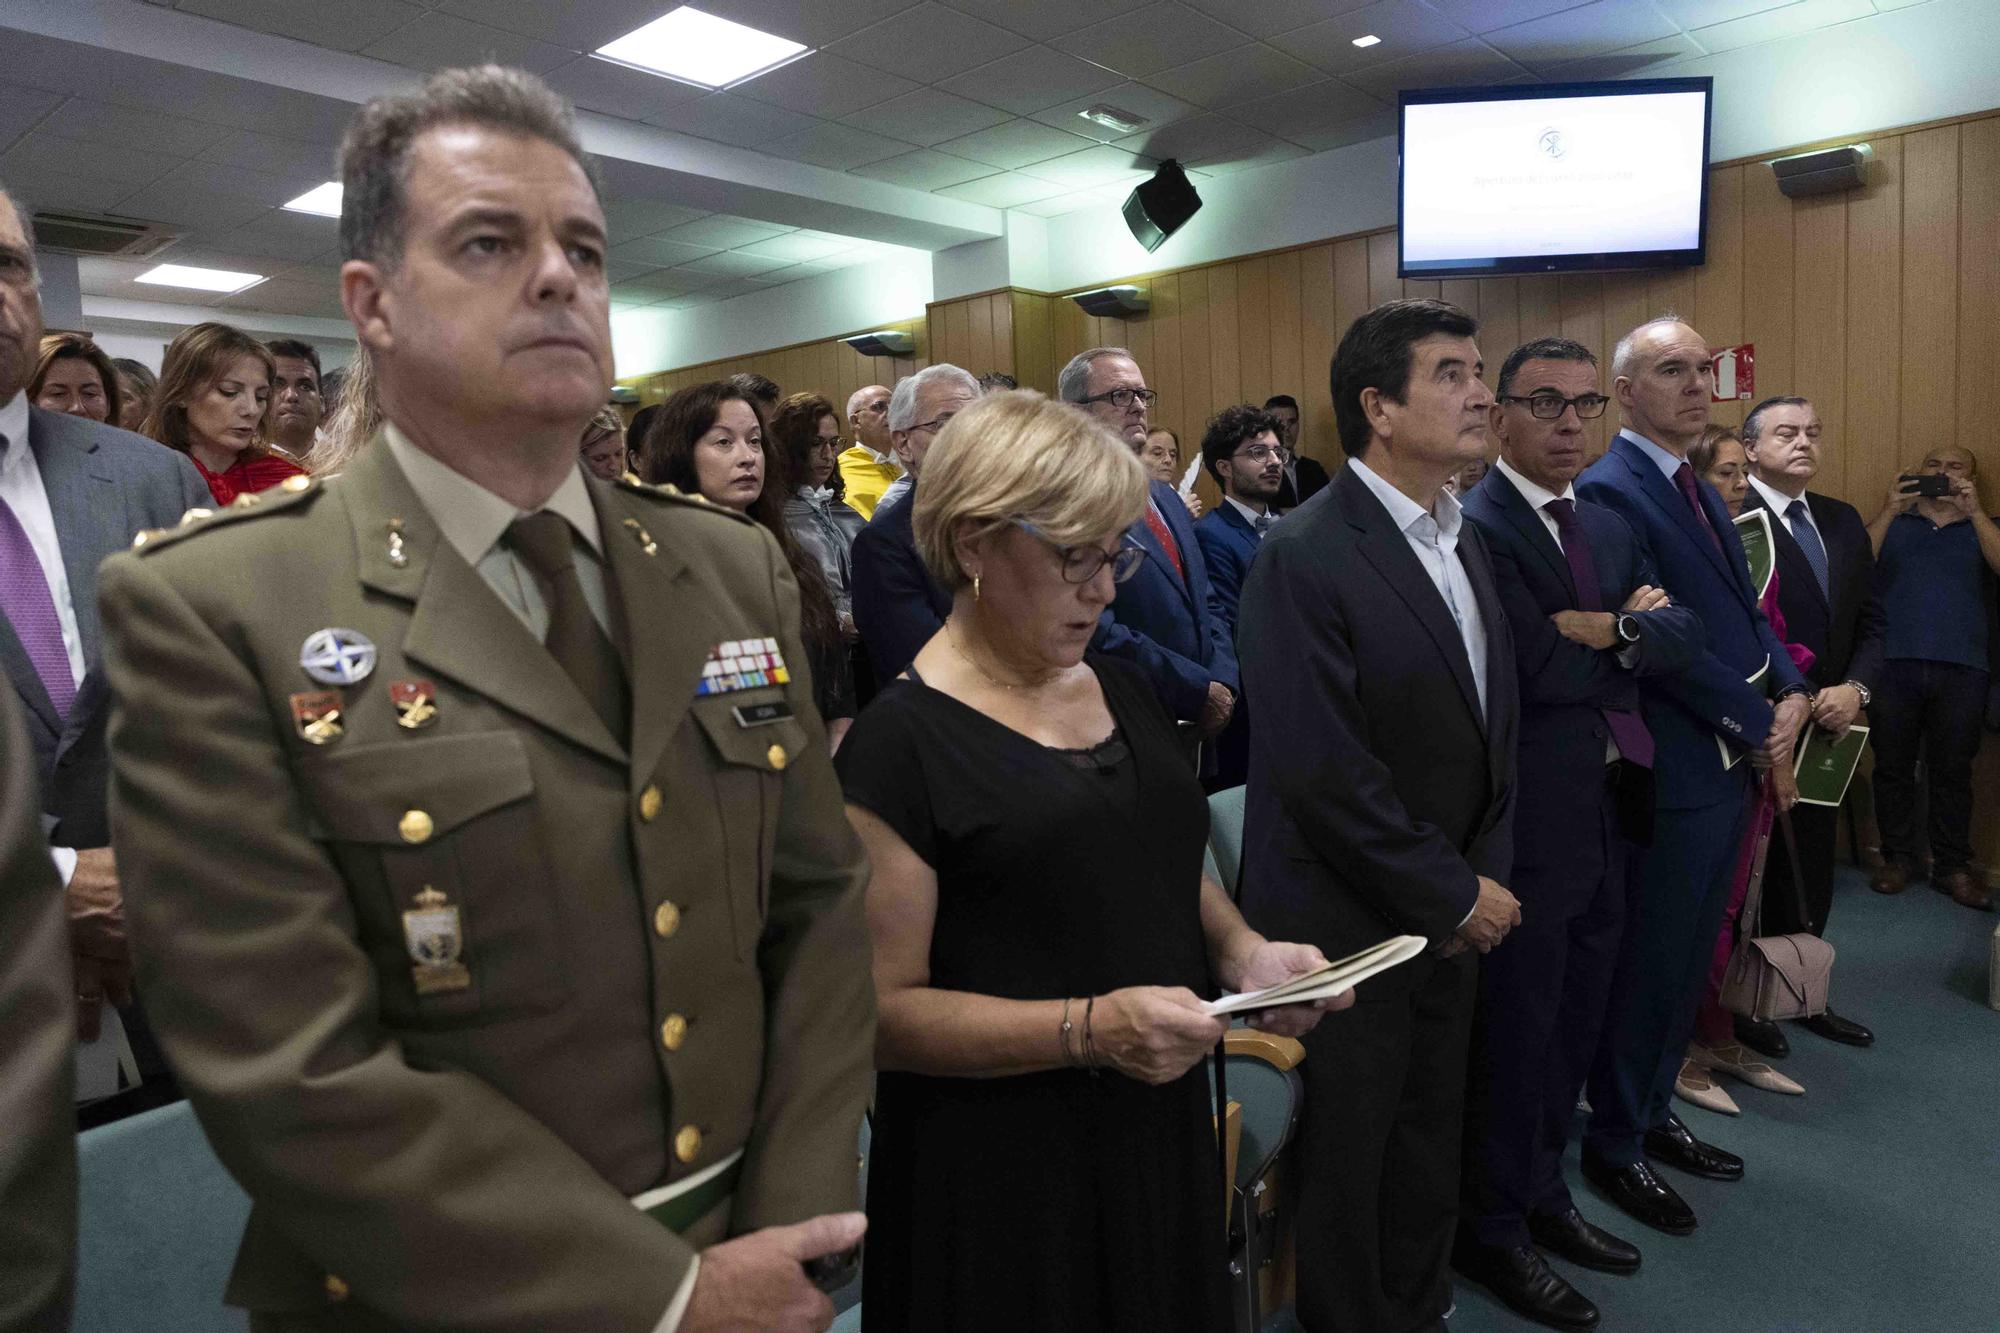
<point>1433,536</point>
<point>1780,505</point>
<point>21,488</point>
<point>895,492</point>
<point>1250,515</point>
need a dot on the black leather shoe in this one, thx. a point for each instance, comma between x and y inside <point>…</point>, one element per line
<point>1763,1037</point>
<point>1676,1145</point>
<point>1642,1195</point>
<point>1568,1236</point>
<point>1530,1288</point>
<point>1835,1028</point>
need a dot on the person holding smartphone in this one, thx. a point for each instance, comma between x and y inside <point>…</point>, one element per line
<point>1937,554</point>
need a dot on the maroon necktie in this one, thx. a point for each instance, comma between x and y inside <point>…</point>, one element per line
<point>1164,535</point>
<point>1634,741</point>
<point>25,600</point>
<point>1684,478</point>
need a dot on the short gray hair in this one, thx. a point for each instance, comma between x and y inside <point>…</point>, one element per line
<point>27,221</point>
<point>374,156</point>
<point>1073,385</point>
<point>903,403</point>
<point>1627,349</point>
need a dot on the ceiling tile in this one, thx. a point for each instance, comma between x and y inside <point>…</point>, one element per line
<point>723,231</point>
<point>1031,80</point>
<point>834,146</point>
<point>659,252</point>
<point>1596,29</point>
<point>128,168</point>
<point>188,203</point>
<point>293,237</point>
<point>1101,165</point>
<point>1691,14</point>
<point>1620,64</point>
<point>1044,20</point>
<point>1235,76</point>
<point>619,271</point>
<point>814,22</point>
<point>1404,26</point>
<point>619,90</point>
<point>1057,205</point>
<point>54,189</point>
<point>1146,41</point>
<point>1009,189</point>
<point>1787,22</point>
<point>1015,144</point>
<point>1265,18</point>
<point>580,27</point>
<point>443,41</point>
<point>1290,113</point>
<point>799,247</point>
<point>626,219</point>
<point>730,264</point>
<point>21,109</point>
<point>1196,137</point>
<point>1374,125</point>
<point>823,84</point>
<point>1244,158</point>
<point>126,127</point>
<point>1486,15</point>
<point>926,116</point>
<point>924,170</point>
<point>1461,64</point>
<point>272,154</point>
<point>343,25</point>
<point>1137,99</point>
<point>731,119</point>
<point>930,41</point>
<point>673,282</point>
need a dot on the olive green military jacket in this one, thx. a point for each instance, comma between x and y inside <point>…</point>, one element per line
<point>448,988</point>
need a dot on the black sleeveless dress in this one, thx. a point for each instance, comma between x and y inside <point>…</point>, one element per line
<point>1059,1200</point>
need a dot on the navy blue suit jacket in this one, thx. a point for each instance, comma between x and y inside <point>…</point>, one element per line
<point>1228,545</point>
<point>1687,710</point>
<point>1171,628</point>
<point>898,606</point>
<point>1565,686</point>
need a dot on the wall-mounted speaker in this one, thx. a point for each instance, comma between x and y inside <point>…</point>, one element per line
<point>1117,302</point>
<point>1827,171</point>
<point>882,342</point>
<point>1161,206</point>
<point>624,395</point>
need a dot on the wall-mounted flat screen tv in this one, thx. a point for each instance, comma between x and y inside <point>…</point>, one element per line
<point>1553,178</point>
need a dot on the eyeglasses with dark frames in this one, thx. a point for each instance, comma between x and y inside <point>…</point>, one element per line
<point>1122,399</point>
<point>1551,406</point>
<point>1081,563</point>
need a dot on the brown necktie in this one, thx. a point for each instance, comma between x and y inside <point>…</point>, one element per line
<point>578,643</point>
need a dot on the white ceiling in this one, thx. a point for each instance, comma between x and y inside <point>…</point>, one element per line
<point>969,100</point>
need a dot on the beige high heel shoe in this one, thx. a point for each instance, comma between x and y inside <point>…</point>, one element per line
<point>1739,1061</point>
<point>1696,1085</point>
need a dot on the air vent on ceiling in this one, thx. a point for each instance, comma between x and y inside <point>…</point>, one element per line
<point>77,234</point>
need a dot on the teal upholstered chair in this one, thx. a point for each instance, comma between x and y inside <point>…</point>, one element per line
<point>1261,1078</point>
<point>160,1221</point>
<point>1224,860</point>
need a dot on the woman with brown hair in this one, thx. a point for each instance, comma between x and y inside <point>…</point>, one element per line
<point>136,382</point>
<point>214,405</point>
<point>709,440</point>
<point>806,433</point>
<point>75,376</point>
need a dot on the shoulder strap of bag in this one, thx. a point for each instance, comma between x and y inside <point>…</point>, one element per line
<point>1792,864</point>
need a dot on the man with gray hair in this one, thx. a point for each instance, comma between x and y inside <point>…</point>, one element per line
<point>1167,619</point>
<point>489,1043</point>
<point>898,606</point>
<point>867,466</point>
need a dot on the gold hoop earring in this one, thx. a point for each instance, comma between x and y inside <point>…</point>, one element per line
<point>975,587</point>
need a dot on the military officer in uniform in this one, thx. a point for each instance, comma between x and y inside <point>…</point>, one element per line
<point>484,851</point>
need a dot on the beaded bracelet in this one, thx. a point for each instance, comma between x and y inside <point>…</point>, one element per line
<point>1069,1056</point>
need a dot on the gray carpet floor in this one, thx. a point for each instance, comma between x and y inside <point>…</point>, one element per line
<point>1869,1205</point>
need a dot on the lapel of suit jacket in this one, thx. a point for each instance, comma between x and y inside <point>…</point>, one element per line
<point>1234,518</point>
<point>88,512</point>
<point>1142,531</point>
<point>459,627</point>
<point>1793,566</point>
<point>26,680</point>
<point>1385,547</point>
<point>1500,685</point>
<point>1528,523</point>
<point>1665,497</point>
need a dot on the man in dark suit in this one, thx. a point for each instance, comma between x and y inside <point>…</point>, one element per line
<point>1826,590</point>
<point>1166,620</point>
<point>1587,624</point>
<point>897,604</point>
<point>72,491</point>
<point>1242,452</point>
<point>1384,805</point>
<point>1704,720</point>
<point>1303,478</point>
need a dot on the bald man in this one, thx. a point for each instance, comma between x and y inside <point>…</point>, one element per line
<point>868,466</point>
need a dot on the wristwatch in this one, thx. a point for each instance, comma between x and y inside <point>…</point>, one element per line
<point>1628,627</point>
<point>1867,696</point>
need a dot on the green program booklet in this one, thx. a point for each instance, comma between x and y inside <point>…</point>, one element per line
<point>1825,766</point>
<point>1753,526</point>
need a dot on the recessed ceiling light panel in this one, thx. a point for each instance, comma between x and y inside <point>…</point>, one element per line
<point>201,279</point>
<point>1112,118</point>
<point>698,48</point>
<point>1370,40</point>
<point>321,199</point>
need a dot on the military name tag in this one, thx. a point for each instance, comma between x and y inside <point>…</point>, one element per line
<point>759,715</point>
<point>416,703</point>
<point>432,933</point>
<point>316,716</point>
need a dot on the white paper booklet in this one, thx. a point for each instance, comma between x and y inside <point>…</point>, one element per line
<point>1331,980</point>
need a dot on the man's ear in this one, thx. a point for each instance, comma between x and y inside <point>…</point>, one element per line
<point>1375,407</point>
<point>369,305</point>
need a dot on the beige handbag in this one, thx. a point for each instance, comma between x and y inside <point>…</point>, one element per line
<point>1773,977</point>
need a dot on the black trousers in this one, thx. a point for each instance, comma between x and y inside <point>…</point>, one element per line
<point>1379,1152</point>
<point>1938,708</point>
<point>1817,829</point>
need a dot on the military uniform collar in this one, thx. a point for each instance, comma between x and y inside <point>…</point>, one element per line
<point>472,518</point>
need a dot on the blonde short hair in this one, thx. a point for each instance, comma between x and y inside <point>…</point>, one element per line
<point>1017,455</point>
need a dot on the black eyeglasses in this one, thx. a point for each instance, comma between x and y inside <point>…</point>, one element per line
<point>1081,563</point>
<point>1551,406</point>
<point>1123,398</point>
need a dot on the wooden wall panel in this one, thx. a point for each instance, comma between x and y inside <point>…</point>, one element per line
<point>829,367</point>
<point>1978,297</point>
<point>1873,358</point>
<point>1927,392</point>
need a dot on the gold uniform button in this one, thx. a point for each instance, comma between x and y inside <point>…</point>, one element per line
<point>666,920</point>
<point>650,802</point>
<point>687,1144</point>
<point>673,1032</point>
<point>336,1290</point>
<point>415,826</point>
<point>776,754</point>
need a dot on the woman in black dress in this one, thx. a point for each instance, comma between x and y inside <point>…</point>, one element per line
<point>1044,1153</point>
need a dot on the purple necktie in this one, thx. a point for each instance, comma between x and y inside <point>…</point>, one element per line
<point>1634,741</point>
<point>1684,478</point>
<point>24,597</point>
